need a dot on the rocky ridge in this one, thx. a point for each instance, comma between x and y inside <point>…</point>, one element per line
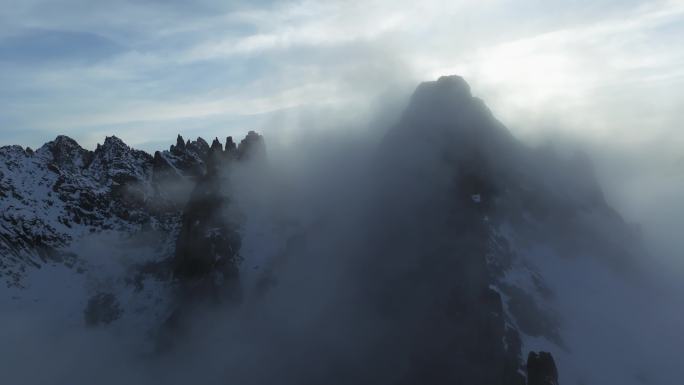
<point>53,197</point>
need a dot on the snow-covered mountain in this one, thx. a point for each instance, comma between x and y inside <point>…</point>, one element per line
<point>55,196</point>
<point>448,255</point>
<point>92,234</point>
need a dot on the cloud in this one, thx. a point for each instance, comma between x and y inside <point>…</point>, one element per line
<point>208,51</point>
<point>36,47</point>
<point>567,71</point>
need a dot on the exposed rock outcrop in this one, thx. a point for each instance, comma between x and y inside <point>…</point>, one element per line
<point>541,369</point>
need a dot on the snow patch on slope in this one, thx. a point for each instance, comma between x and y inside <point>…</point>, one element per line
<point>602,314</point>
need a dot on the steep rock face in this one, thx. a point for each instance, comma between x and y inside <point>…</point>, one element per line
<point>207,250</point>
<point>541,369</point>
<point>36,211</point>
<point>252,147</point>
<point>490,209</point>
<point>206,262</point>
<point>123,175</point>
<point>433,232</point>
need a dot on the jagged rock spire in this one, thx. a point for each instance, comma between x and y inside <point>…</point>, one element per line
<point>199,147</point>
<point>114,141</point>
<point>179,148</point>
<point>215,157</point>
<point>230,145</point>
<point>201,143</point>
<point>216,146</point>
<point>252,147</point>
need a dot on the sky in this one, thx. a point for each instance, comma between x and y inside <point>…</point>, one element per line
<point>606,73</point>
<point>145,70</point>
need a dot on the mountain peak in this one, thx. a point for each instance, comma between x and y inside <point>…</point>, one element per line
<point>445,100</point>
<point>113,141</point>
<point>216,146</point>
<point>451,88</point>
<point>252,147</point>
<point>453,82</point>
<point>447,106</point>
<point>63,143</point>
<point>230,145</point>
<point>65,140</point>
<point>65,152</point>
<point>180,142</point>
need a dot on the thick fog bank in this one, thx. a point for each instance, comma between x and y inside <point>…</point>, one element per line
<point>348,229</point>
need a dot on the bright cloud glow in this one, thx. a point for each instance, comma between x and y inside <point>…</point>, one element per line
<point>593,67</point>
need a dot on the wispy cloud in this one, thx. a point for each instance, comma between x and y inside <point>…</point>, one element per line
<point>586,61</point>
